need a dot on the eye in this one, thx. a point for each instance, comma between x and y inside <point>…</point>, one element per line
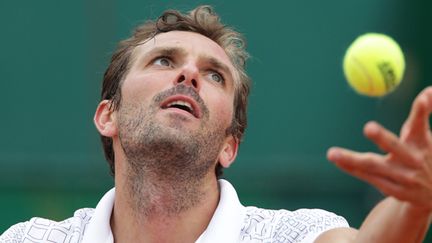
<point>217,77</point>
<point>162,61</point>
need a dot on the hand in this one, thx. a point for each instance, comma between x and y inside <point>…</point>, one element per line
<point>405,171</point>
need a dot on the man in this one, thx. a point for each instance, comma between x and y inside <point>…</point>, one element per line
<point>172,115</point>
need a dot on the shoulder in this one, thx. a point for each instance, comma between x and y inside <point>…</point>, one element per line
<point>45,230</point>
<point>14,234</point>
<point>303,225</point>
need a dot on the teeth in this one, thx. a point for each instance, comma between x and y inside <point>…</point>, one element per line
<point>182,103</point>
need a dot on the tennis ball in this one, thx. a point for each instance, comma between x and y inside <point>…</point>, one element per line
<point>374,64</point>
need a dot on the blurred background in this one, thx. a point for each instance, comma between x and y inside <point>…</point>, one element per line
<point>53,55</point>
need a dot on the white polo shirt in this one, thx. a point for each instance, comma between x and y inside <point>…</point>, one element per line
<point>231,223</point>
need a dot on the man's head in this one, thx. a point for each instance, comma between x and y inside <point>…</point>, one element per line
<point>201,21</point>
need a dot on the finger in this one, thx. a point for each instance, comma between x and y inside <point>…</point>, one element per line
<point>417,124</point>
<point>390,188</point>
<point>386,186</point>
<point>386,183</point>
<point>360,164</point>
<point>389,142</point>
<point>415,194</point>
<point>351,160</point>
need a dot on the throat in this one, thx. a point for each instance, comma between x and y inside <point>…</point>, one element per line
<point>153,211</point>
<point>152,197</point>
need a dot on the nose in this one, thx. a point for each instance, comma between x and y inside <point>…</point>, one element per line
<point>189,75</point>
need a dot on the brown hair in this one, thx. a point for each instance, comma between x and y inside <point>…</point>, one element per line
<point>202,20</point>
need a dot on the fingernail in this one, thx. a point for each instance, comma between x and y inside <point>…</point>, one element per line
<point>334,154</point>
<point>371,128</point>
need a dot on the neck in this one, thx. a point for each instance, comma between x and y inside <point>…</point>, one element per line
<point>159,211</point>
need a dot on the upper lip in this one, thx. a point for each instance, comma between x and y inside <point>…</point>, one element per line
<point>184,101</point>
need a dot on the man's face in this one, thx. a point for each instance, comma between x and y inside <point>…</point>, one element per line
<point>178,94</point>
<point>182,58</point>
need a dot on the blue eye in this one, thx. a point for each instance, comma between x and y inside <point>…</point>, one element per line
<point>162,61</point>
<point>216,77</point>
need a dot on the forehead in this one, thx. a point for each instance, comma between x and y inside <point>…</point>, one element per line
<point>193,43</point>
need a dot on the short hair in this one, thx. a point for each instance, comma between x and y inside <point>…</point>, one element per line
<point>202,20</point>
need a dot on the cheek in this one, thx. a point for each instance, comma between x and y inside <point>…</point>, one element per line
<point>223,109</point>
<point>141,87</point>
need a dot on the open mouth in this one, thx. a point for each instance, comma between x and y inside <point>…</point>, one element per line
<point>182,103</point>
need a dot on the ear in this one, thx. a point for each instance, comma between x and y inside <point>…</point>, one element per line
<point>105,119</point>
<point>228,152</point>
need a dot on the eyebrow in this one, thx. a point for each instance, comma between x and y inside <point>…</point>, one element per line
<point>165,51</point>
<point>219,65</point>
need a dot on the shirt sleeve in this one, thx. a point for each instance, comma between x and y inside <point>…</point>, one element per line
<point>14,234</point>
<point>283,226</point>
<point>319,221</point>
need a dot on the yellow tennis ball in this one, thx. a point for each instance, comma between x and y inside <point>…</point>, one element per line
<point>374,64</point>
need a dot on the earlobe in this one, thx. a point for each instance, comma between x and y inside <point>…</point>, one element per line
<point>105,119</point>
<point>228,152</point>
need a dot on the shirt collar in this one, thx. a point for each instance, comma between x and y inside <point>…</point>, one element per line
<point>225,225</point>
<point>227,221</point>
<point>99,228</point>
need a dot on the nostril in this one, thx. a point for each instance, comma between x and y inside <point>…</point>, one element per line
<point>181,79</point>
<point>194,83</point>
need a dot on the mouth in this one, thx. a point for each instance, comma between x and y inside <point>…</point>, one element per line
<point>184,103</point>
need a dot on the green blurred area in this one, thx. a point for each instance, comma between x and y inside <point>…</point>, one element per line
<point>53,55</point>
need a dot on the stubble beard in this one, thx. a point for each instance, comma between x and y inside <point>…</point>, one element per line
<point>167,163</point>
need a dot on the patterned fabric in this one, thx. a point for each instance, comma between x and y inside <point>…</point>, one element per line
<point>39,230</point>
<point>231,223</point>
<point>14,234</point>
<point>277,226</point>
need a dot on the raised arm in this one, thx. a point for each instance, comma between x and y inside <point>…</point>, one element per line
<point>403,173</point>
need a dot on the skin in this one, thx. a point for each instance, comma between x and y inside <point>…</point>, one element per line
<point>196,62</point>
<point>404,172</point>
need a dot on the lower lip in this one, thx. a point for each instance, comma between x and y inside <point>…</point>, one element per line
<point>179,111</point>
